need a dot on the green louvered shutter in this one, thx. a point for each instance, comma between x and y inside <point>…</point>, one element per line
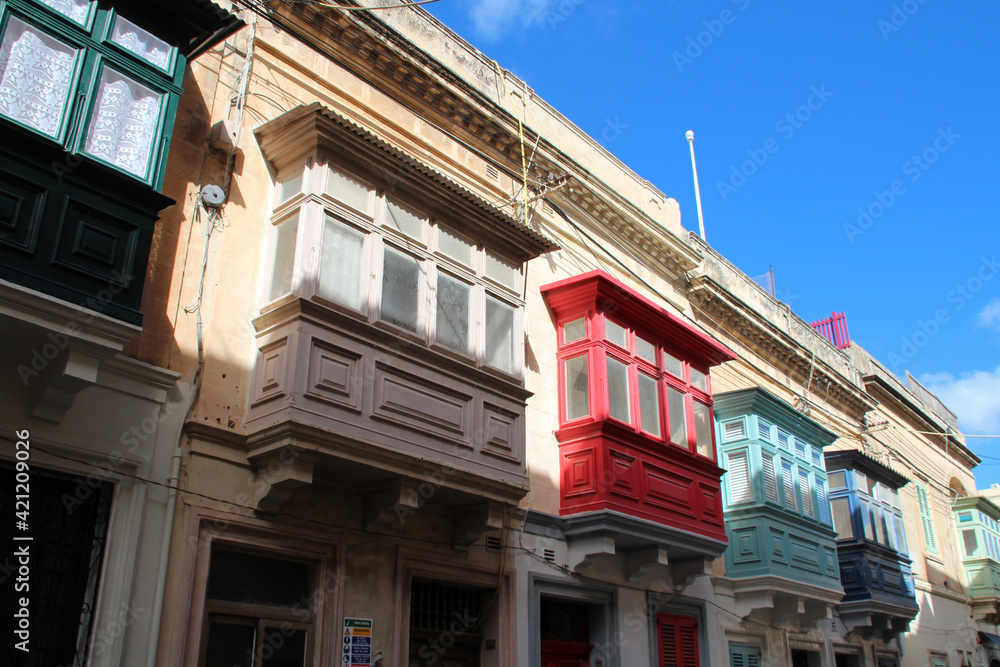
<point>926,519</point>
<point>743,655</point>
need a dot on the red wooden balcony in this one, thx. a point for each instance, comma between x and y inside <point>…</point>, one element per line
<point>834,329</point>
<point>636,435</point>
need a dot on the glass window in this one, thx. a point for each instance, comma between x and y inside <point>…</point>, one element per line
<point>672,365</point>
<point>347,191</point>
<point>451,245</point>
<point>866,519</point>
<point>676,414</point>
<point>841,510</point>
<point>645,350</point>
<point>615,333</point>
<point>341,265</point>
<point>971,543</point>
<point>860,481</point>
<point>577,372</point>
<point>37,72</point>
<point>618,403</point>
<point>124,123</point>
<point>77,11</point>
<point>699,379</point>
<point>400,289</point>
<point>403,221</point>
<point>575,330</point>
<point>703,429</point>
<point>290,187</point>
<point>877,524</point>
<point>284,257</point>
<point>649,403</point>
<point>502,271</point>
<point>964,517</point>
<point>500,353</point>
<point>453,299</point>
<point>142,43</point>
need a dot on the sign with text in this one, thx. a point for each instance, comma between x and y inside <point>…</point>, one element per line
<point>357,642</point>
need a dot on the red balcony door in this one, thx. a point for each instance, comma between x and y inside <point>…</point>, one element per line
<point>565,654</point>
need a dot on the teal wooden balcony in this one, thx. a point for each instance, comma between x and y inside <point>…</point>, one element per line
<point>782,560</point>
<point>978,521</point>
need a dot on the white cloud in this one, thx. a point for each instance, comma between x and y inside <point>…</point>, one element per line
<point>493,18</point>
<point>974,397</point>
<point>989,316</point>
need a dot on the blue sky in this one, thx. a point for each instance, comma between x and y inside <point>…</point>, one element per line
<point>852,146</point>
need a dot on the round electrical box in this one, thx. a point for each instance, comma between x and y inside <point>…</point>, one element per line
<point>213,195</point>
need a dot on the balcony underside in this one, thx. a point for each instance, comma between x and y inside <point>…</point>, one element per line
<point>636,548</point>
<point>782,602</point>
<point>870,618</point>
<point>389,485</point>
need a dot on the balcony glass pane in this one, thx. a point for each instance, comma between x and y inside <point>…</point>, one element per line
<point>618,398</point>
<point>401,290</point>
<point>677,416</point>
<point>290,187</point>
<point>577,397</point>
<point>575,330</point>
<point>878,525</point>
<point>35,76</point>
<point>837,480</point>
<point>672,365</point>
<point>76,11</point>
<point>284,258</point>
<point>453,313</point>
<point>124,123</point>
<point>645,350</point>
<point>866,519</point>
<point>457,248</point>
<point>502,271</point>
<point>703,429</point>
<point>347,190</point>
<point>142,43</point>
<point>649,403</point>
<point>841,508</point>
<point>406,223</point>
<point>699,380</point>
<point>615,333</point>
<point>971,543</point>
<point>342,262</point>
<point>500,349</point>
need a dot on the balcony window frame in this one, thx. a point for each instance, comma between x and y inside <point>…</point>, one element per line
<point>600,348</point>
<point>315,206</point>
<point>870,511</point>
<point>95,51</point>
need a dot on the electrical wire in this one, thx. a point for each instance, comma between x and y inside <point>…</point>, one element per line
<point>520,134</point>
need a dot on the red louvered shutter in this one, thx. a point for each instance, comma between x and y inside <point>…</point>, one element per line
<point>678,640</point>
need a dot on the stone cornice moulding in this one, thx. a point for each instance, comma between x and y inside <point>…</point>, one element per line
<point>749,327</point>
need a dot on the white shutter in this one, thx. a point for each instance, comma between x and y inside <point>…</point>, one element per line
<point>767,472</point>
<point>733,430</point>
<point>807,496</point>
<point>739,477</point>
<point>788,476</point>
<point>763,429</point>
